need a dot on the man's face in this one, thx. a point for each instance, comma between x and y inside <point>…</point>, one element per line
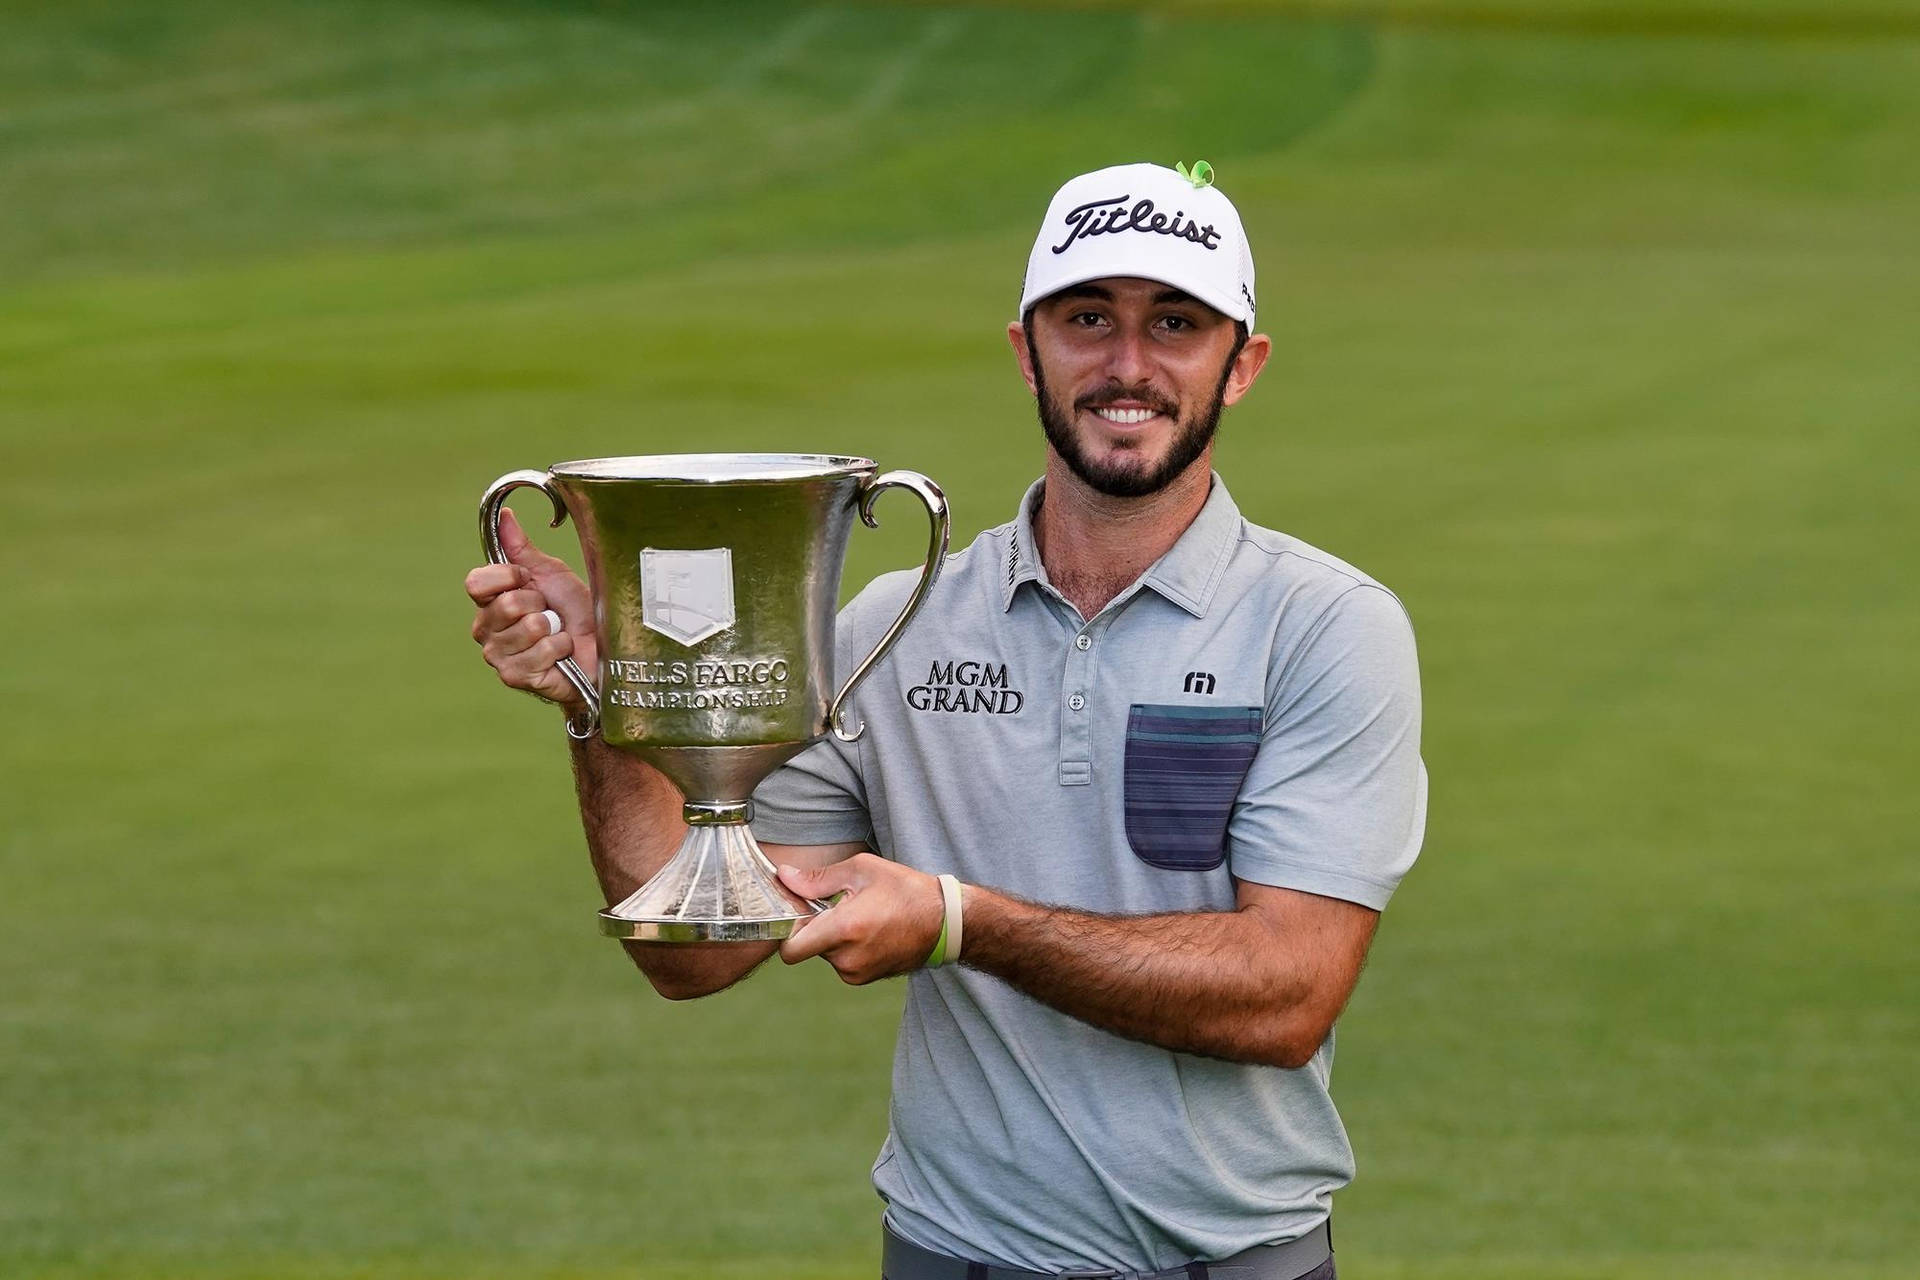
<point>1130,377</point>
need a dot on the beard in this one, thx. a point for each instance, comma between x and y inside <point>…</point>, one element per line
<point>1129,475</point>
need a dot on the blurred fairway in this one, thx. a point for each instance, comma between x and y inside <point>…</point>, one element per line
<point>1596,330</point>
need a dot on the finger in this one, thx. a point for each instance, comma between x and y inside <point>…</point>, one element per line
<point>806,903</point>
<point>821,934</point>
<point>524,634</point>
<point>489,580</point>
<point>503,611</point>
<point>519,547</point>
<point>543,653</point>
<point>510,607</point>
<point>535,669</point>
<point>844,876</point>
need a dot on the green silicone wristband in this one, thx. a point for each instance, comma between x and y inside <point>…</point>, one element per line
<point>939,954</point>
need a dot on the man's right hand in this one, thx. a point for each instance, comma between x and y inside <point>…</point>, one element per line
<point>510,625</point>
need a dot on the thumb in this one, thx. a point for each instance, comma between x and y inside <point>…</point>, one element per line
<point>822,882</point>
<point>518,546</point>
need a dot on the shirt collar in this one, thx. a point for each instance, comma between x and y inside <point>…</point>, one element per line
<point>1021,562</point>
<point>1187,574</point>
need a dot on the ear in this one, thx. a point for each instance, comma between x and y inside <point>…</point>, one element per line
<point>1246,367</point>
<point>1017,335</point>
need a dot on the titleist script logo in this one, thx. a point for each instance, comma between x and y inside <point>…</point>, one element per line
<point>973,687</point>
<point>1106,217</point>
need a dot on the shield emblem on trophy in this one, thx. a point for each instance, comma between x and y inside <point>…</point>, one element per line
<point>687,595</point>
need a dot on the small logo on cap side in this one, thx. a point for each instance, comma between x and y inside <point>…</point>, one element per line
<point>1112,215</point>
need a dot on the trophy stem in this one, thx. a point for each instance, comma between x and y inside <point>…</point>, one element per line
<point>719,887</point>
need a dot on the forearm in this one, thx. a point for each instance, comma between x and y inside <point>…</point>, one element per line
<point>631,816</point>
<point>1213,983</point>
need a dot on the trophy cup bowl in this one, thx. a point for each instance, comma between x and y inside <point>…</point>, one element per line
<point>715,579</point>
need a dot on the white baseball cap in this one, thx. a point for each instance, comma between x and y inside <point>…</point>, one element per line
<point>1142,220</point>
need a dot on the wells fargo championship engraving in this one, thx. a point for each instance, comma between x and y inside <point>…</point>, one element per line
<point>697,686</point>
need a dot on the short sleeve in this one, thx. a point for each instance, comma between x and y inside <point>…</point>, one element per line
<point>819,797</point>
<point>1335,802</point>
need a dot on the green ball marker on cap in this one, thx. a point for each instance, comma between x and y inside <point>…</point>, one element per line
<point>1201,175</point>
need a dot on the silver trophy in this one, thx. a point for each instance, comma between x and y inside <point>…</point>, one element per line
<point>715,582</point>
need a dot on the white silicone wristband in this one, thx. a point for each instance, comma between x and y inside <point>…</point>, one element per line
<point>950,894</point>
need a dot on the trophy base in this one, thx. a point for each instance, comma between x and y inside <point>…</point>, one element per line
<point>718,888</point>
<point>613,926</point>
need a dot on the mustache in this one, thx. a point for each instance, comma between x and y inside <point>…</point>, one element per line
<point>1115,391</point>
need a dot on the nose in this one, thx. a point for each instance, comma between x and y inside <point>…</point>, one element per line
<point>1129,361</point>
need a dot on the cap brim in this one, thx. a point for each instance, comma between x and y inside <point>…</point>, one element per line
<point>1234,308</point>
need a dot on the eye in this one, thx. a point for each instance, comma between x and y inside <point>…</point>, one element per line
<point>1176,324</point>
<point>1086,319</point>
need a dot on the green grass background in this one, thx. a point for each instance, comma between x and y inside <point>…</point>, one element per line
<point>1595,335</point>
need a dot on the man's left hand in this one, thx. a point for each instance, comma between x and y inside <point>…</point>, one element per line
<point>885,923</point>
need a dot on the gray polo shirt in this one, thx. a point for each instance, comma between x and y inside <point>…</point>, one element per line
<point>1250,709</point>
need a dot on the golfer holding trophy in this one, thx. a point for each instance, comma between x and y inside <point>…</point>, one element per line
<point>1138,778</point>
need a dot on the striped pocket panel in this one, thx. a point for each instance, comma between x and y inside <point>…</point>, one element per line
<point>1184,769</point>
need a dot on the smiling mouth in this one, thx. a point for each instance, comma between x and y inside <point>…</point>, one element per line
<point>1125,417</point>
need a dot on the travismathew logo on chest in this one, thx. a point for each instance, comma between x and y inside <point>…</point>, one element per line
<point>1105,217</point>
<point>973,687</point>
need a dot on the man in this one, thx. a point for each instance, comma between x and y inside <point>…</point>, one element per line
<point>1171,760</point>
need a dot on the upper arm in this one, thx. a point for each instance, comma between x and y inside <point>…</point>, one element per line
<point>818,799</point>
<point>1335,801</point>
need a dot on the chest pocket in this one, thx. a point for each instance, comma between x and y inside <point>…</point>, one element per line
<point>1184,768</point>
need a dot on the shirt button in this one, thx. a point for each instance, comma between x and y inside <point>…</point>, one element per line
<point>1076,702</point>
<point>1083,642</point>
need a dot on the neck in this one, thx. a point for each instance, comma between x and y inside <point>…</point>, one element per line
<point>1095,546</point>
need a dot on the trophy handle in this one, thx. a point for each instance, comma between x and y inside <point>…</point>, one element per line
<point>582,724</point>
<point>936,501</point>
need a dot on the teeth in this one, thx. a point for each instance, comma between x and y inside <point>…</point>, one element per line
<point>1127,416</point>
